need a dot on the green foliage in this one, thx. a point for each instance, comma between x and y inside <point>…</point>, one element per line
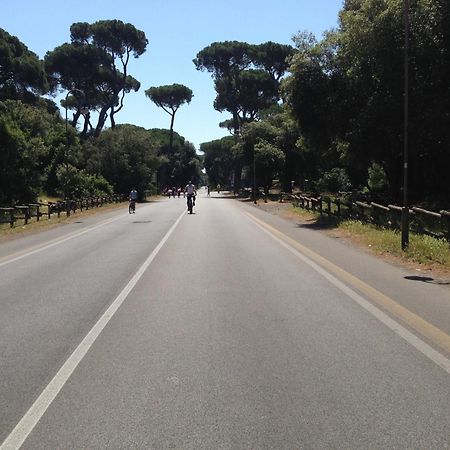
<point>269,160</point>
<point>22,74</point>
<point>273,58</point>
<point>179,160</point>
<point>29,138</point>
<point>96,63</point>
<point>219,161</point>
<point>74,183</point>
<point>347,91</point>
<point>125,156</point>
<point>170,98</point>
<point>377,180</point>
<point>246,77</point>
<point>251,92</point>
<point>335,180</point>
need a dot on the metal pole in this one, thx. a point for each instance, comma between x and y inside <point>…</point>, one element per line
<point>405,208</point>
<point>66,150</point>
<point>254,177</point>
<point>67,133</point>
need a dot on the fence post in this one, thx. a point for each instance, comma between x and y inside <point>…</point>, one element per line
<point>328,202</point>
<point>319,199</point>
<point>378,211</point>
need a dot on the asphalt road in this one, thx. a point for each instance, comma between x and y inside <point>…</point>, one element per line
<point>225,329</point>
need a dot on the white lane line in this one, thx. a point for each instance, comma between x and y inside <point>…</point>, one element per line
<point>435,356</point>
<point>37,410</point>
<point>59,241</point>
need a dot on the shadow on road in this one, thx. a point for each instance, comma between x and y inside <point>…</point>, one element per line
<point>316,225</point>
<point>425,279</point>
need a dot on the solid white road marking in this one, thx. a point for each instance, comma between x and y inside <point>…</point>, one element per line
<point>37,410</point>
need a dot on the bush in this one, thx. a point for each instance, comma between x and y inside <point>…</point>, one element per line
<point>74,183</point>
<point>335,180</point>
<point>377,180</point>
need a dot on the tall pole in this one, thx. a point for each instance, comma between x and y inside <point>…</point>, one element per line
<point>254,176</point>
<point>405,208</point>
<point>67,150</point>
<point>67,132</point>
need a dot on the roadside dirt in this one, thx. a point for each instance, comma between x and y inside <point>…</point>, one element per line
<point>432,273</point>
<point>7,233</point>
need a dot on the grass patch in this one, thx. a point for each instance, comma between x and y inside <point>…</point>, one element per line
<point>422,249</point>
<point>44,198</point>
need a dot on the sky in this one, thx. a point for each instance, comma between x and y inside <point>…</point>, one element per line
<point>176,30</point>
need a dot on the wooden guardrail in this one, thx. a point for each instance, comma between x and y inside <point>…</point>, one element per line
<point>26,212</point>
<point>422,221</point>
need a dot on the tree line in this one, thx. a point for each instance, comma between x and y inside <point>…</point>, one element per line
<point>324,114</point>
<point>43,152</point>
<point>328,114</point>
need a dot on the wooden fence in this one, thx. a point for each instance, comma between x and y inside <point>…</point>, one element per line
<point>422,221</point>
<point>26,212</point>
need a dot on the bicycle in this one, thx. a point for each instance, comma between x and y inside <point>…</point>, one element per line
<point>132,207</point>
<point>190,202</point>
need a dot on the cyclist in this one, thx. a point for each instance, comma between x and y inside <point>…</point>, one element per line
<point>133,198</point>
<point>190,193</point>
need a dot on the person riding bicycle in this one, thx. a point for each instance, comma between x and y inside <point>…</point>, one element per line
<point>190,192</point>
<point>133,198</point>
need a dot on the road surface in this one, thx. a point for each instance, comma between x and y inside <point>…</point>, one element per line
<point>226,329</point>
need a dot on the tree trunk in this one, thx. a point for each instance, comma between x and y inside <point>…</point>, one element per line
<point>101,120</point>
<point>111,118</point>
<point>171,131</point>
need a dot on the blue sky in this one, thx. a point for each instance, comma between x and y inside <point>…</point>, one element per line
<point>177,30</point>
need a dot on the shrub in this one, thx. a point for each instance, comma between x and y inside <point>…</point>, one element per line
<point>334,181</point>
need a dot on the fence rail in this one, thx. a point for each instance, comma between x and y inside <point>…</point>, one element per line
<point>422,221</point>
<point>26,212</point>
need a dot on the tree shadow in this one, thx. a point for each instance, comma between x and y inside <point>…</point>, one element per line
<point>316,225</point>
<point>227,197</point>
<point>321,223</point>
<point>423,279</point>
<point>153,200</point>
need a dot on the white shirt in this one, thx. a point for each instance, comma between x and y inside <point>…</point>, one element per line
<point>189,189</point>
